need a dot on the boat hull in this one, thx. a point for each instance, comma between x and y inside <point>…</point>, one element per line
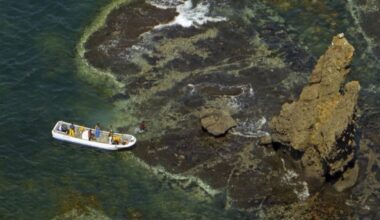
<point>59,135</point>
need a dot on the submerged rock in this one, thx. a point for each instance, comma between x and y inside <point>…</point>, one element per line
<point>320,122</point>
<point>216,122</point>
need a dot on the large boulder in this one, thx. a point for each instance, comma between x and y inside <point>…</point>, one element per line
<point>320,122</point>
<point>216,122</point>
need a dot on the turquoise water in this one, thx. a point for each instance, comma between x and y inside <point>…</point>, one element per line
<point>41,178</point>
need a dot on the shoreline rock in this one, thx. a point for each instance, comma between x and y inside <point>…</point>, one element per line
<point>216,122</point>
<point>321,122</point>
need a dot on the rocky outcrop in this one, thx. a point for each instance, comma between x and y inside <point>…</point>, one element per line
<point>170,73</point>
<point>216,122</point>
<point>320,122</point>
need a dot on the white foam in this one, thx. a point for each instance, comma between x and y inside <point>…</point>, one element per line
<point>250,129</point>
<point>165,4</point>
<point>251,92</point>
<point>303,194</point>
<point>248,90</point>
<point>189,16</point>
<point>108,45</point>
<point>290,177</point>
<point>234,103</point>
<point>192,86</point>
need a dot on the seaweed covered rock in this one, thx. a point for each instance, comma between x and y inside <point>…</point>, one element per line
<point>216,122</point>
<point>321,122</point>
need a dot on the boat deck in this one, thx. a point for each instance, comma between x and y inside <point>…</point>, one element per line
<point>103,138</point>
<point>120,141</point>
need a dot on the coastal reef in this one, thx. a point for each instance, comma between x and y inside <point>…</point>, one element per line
<point>190,84</point>
<point>320,124</point>
<point>205,77</point>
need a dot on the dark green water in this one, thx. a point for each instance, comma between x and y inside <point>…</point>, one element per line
<point>41,178</point>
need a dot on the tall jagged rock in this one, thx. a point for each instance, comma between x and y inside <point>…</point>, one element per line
<point>320,122</point>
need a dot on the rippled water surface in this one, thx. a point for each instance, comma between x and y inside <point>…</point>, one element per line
<point>41,178</point>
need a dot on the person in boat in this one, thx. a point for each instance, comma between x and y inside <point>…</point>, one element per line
<point>91,134</point>
<point>81,129</point>
<point>72,130</point>
<point>97,131</point>
<point>86,135</point>
<point>116,139</point>
<point>63,128</point>
<point>124,141</point>
<point>110,136</point>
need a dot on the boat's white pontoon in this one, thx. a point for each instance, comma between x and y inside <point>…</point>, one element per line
<point>81,136</point>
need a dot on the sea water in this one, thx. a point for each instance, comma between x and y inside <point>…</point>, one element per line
<point>41,178</point>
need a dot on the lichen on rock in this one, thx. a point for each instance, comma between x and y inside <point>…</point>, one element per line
<point>320,122</point>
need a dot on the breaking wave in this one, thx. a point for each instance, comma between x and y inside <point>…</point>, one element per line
<point>188,14</point>
<point>165,4</point>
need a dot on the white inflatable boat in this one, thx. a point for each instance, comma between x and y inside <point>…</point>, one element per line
<point>82,135</point>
